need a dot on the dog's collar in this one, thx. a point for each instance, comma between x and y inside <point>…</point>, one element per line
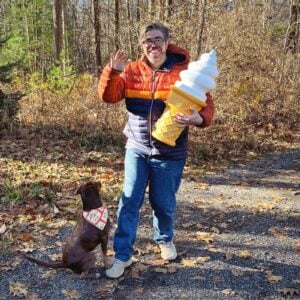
<point>97,217</point>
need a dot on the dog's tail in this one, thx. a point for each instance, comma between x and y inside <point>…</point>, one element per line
<point>52,264</point>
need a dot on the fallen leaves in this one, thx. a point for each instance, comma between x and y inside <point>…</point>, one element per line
<point>296,247</point>
<point>215,229</point>
<point>48,274</point>
<point>71,294</point>
<point>189,224</point>
<point>28,247</point>
<point>148,248</point>
<point>237,272</point>
<point>193,262</point>
<point>228,255</point>
<point>32,296</point>
<point>204,236</point>
<point>135,272</point>
<point>26,237</point>
<point>103,292</point>
<point>201,186</point>
<point>5,266</point>
<point>2,229</point>
<point>262,207</point>
<point>18,289</point>
<point>56,256</point>
<point>244,254</point>
<point>168,269</point>
<point>277,232</point>
<point>33,222</point>
<point>271,278</point>
<point>43,180</point>
<point>274,278</point>
<point>228,292</point>
<point>159,262</point>
<point>212,249</point>
<point>159,266</point>
<point>202,259</point>
<point>188,263</point>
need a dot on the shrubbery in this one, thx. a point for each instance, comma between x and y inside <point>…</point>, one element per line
<point>257,97</point>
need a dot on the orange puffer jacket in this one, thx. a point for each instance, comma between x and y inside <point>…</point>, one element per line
<point>145,91</point>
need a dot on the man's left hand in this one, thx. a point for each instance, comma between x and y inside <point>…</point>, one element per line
<point>186,120</point>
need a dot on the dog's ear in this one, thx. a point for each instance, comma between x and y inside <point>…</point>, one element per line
<point>94,185</point>
<point>79,190</point>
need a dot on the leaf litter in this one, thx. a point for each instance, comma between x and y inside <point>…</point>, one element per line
<point>54,210</point>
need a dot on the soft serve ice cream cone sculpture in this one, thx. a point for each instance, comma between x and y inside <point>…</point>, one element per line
<point>191,90</point>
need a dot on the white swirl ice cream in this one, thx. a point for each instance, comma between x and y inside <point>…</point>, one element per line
<point>198,79</point>
<point>200,76</point>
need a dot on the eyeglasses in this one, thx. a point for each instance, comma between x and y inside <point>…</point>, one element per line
<point>156,42</point>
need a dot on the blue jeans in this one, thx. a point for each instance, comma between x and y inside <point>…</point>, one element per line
<point>164,178</point>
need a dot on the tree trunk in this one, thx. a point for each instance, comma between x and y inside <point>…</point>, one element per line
<point>138,11</point>
<point>293,34</point>
<point>26,29</point>
<point>97,30</point>
<point>169,8</point>
<point>202,13</point>
<point>117,24</point>
<point>151,8</point>
<point>35,33</point>
<point>161,10</point>
<point>64,39</point>
<point>77,53</point>
<point>25,22</point>
<point>58,31</point>
<point>129,18</point>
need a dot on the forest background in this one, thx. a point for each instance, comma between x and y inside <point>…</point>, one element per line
<point>51,55</point>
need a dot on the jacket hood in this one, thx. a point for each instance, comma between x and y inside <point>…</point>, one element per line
<point>180,51</point>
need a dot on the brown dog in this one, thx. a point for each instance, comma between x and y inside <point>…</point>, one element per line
<point>91,230</point>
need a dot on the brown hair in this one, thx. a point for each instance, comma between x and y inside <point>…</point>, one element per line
<point>154,26</point>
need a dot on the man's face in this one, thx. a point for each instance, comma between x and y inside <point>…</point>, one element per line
<point>155,47</point>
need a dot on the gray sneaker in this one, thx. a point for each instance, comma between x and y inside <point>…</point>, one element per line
<point>118,268</point>
<point>168,251</point>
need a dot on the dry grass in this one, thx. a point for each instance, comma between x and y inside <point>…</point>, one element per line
<point>257,98</point>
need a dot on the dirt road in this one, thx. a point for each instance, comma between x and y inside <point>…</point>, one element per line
<point>237,235</point>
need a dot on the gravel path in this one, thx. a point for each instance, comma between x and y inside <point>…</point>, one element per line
<point>237,235</point>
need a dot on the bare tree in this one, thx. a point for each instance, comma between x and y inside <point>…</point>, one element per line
<point>169,8</point>
<point>202,5</point>
<point>293,33</point>
<point>97,30</point>
<point>138,11</point>
<point>161,10</point>
<point>129,18</point>
<point>57,20</point>
<point>117,23</point>
<point>151,8</point>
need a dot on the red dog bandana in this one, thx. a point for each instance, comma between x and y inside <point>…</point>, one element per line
<point>97,217</point>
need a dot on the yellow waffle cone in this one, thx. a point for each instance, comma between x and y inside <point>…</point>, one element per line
<point>166,129</point>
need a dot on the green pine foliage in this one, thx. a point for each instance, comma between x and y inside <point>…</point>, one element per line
<point>29,25</point>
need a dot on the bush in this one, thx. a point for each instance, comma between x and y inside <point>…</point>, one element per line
<point>257,96</point>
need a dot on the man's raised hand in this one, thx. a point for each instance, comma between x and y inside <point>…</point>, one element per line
<point>119,60</point>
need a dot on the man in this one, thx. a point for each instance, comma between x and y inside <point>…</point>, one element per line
<point>145,85</point>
